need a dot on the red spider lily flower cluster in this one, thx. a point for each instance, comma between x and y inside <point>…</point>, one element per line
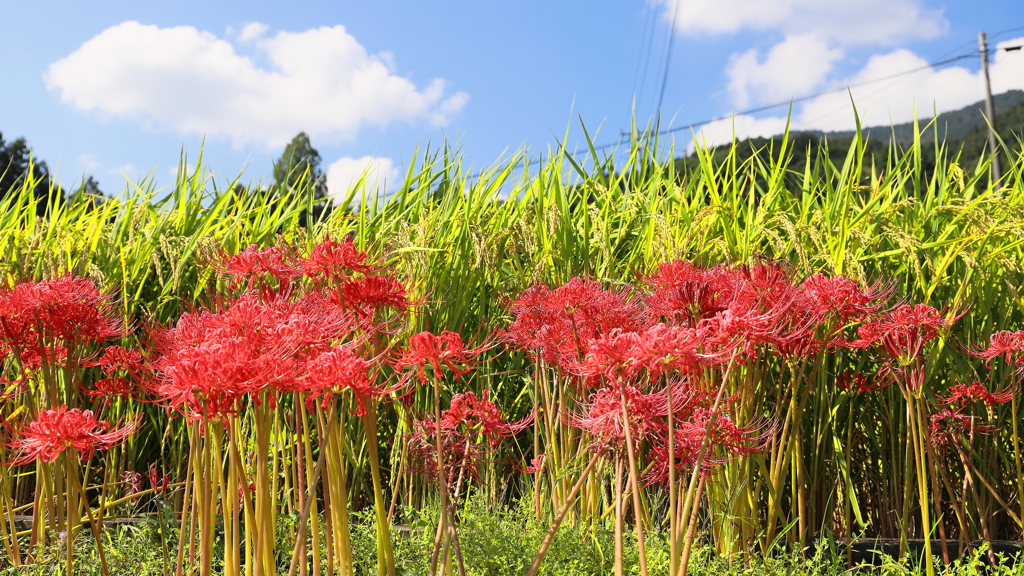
<point>722,439</point>
<point>122,366</point>
<point>559,325</point>
<point>352,281</point>
<point>680,327</point>
<point>332,261</point>
<point>439,351</point>
<point>40,321</point>
<point>903,332</point>
<point>471,427</point>
<point>55,430</point>
<point>133,482</point>
<point>210,360</point>
<point>1006,345</point>
<point>340,369</point>
<point>901,336</point>
<point>56,322</point>
<point>536,464</point>
<point>963,395</point>
<point>158,481</point>
<point>268,341</point>
<point>606,423</point>
<point>858,383</point>
<point>479,416</point>
<point>372,293</point>
<point>744,310</point>
<point>253,265</point>
<point>949,427</point>
<point>338,268</point>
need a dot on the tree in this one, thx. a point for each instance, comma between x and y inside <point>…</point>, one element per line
<point>298,171</point>
<point>90,187</point>
<point>17,166</point>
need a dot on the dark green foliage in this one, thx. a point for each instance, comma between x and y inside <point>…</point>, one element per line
<point>18,167</point>
<point>298,169</point>
<point>952,125</point>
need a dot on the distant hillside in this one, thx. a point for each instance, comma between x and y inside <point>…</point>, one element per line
<point>951,125</point>
<point>965,130</point>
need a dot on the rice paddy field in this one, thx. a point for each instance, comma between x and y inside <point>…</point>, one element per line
<point>582,365</point>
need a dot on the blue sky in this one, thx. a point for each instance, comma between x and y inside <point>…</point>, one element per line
<point>118,89</point>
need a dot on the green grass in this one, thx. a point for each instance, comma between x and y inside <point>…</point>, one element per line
<point>503,545</point>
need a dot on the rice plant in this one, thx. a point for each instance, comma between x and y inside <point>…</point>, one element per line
<point>734,355</point>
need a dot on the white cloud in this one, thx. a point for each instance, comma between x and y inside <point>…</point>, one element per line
<point>848,22</point>
<point>126,170</point>
<point>922,93</point>
<point>722,131</point>
<point>252,31</point>
<point>791,68</point>
<point>88,162</point>
<point>887,102</point>
<point>344,173</point>
<point>321,81</point>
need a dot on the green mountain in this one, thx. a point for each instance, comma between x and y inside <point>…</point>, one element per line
<point>952,125</point>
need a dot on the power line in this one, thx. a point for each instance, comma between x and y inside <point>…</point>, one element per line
<point>647,38</point>
<point>832,91</point>
<point>623,136</point>
<point>668,54</point>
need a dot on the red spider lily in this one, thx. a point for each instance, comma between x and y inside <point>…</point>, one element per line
<point>371,293</point>
<point>903,332</point>
<point>684,294</point>
<point>480,416</point>
<point>603,417</point>
<point>949,426</point>
<point>34,357</point>
<point>819,311</point>
<point>133,480</point>
<point>107,387</point>
<point>901,335</point>
<point>660,349</point>
<point>672,349</point>
<point>209,379</point>
<point>444,350</point>
<point>536,465</point>
<point>732,438</point>
<point>962,395</point>
<point>331,261</point>
<point>766,285</point>
<point>65,310</point>
<point>559,325</point>
<point>842,299</point>
<point>858,383</point>
<point>471,427</point>
<point>458,452</point>
<point>726,441</point>
<point>253,263</point>
<point>742,330</point>
<point>687,442</point>
<point>339,369</point>
<point>210,360</point>
<point>618,355</point>
<point>158,481</point>
<point>60,428</point>
<point>118,359</point>
<point>1006,344</point>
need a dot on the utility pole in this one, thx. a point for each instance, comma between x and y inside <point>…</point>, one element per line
<point>990,109</point>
